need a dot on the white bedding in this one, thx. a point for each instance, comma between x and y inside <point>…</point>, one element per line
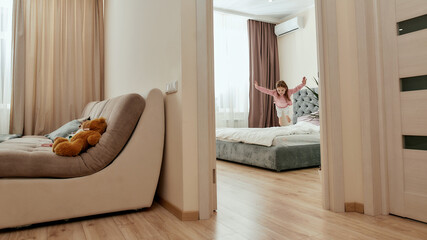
<point>265,136</point>
<point>297,140</point>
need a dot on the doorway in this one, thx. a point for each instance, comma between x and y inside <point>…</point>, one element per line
<point>297,50</point>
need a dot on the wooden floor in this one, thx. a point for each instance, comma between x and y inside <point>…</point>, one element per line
<point>252,204</point>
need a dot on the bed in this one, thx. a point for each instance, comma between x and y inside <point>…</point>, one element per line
<point>280,148</point>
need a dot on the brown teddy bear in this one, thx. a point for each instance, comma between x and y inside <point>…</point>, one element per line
<point>89,135</point>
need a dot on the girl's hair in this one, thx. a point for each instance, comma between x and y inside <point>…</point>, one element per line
<point>282,84</point>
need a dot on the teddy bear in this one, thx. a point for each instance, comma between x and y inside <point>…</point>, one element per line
<point>88,136</point>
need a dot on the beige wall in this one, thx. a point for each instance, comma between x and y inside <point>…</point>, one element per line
<point>298,52</point>
<point>351,122</point>
<point>148,45</point>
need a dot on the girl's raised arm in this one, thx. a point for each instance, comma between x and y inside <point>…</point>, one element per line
<point>264,90</point>
<point>297,88</point>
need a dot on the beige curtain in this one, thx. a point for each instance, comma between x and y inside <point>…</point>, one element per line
<point>58,63</point>
<point>264,68</point>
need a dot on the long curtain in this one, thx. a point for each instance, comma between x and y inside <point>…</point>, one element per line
<point>231,70</point>
<point>264,68</point>
<point>5,64</point>
<point>58,62</point>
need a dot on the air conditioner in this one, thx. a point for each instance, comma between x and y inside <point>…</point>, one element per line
<point>288,26</point>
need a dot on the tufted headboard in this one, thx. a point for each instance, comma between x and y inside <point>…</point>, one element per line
<point>304,101</point>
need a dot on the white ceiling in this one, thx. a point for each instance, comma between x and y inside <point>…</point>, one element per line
<point>277,9</point>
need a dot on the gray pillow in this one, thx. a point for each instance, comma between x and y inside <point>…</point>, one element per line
<point>64,130</point>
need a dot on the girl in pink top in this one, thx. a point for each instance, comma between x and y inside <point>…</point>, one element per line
<point>282,99</point>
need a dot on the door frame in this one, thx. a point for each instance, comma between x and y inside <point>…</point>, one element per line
<point>371,46</point>
<point>377,61</point>
<point>330,110</point>
<point>372,105</point>
<point>205,109</point>
<point>369,13</point>
<point>330,114</point>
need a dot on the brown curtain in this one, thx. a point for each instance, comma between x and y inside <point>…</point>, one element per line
<point>58,62</point>
<point>264,68</point>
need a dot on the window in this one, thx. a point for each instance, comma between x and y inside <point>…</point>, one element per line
<point>5,63</point>
<point>231,70</point>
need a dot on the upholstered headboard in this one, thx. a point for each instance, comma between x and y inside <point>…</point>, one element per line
<point>304,101</point>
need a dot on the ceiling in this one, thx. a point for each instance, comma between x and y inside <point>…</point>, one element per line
<point>277,9</point>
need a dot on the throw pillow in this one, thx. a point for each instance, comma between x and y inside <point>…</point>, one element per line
<point>66,129</point>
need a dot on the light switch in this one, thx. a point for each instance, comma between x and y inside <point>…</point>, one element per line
<point>172,87</point>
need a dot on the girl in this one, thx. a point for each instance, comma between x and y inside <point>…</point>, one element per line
<point>282,99</point>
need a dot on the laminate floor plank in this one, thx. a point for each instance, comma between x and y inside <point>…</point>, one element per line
<point>253,204</point>
<point>213,229</point>
<point>135,227</point>
<point>4,235</point>
<point>66,231</point>
<point>102,228</point>
<point>30,233</point>
<point>169,226</point>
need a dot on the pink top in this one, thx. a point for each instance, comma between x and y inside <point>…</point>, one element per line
<point>280,101</point>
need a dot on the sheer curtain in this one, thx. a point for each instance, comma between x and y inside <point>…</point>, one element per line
<point>5,63</point>
<point>58,62</point>
<point>231,70</point>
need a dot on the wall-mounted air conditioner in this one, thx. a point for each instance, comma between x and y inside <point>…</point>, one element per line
<point>288,26</point>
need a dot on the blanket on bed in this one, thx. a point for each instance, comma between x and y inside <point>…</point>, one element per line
<point>264,136</point>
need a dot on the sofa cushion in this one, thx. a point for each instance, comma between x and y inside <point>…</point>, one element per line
<point>122,115</point>
<point>28,157</point>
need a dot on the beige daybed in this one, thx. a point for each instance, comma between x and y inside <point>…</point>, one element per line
<point>120,173</point>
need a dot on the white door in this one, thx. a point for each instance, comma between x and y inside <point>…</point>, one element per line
<point>404,25</point>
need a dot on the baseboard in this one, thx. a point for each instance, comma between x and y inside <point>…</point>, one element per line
<point>181,215</point>
<point>355,207</point>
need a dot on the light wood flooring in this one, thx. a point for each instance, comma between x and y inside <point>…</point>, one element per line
<point>252,204</point>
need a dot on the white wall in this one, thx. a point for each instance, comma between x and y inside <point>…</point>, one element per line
<point>148,44</point>
<point>138,52</point>
<point>298,52</point>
